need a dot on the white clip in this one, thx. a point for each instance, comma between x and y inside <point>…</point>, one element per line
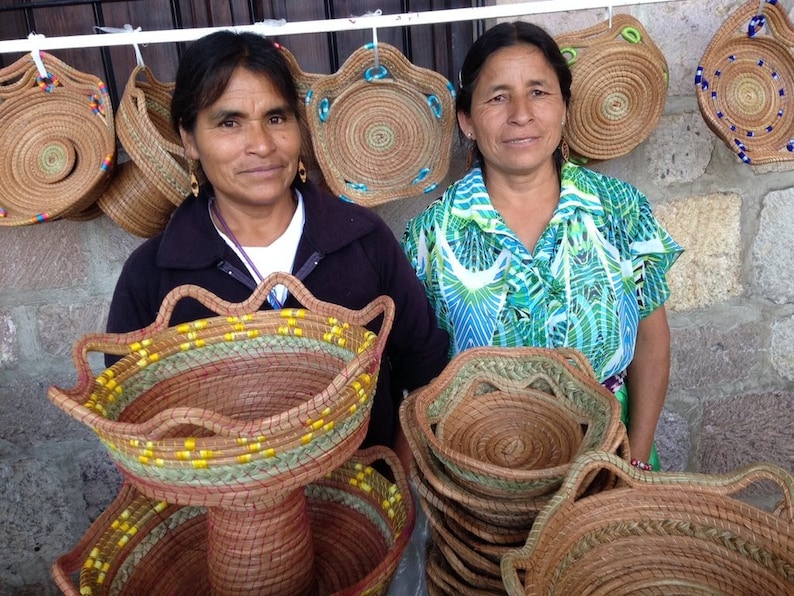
<point>272,23</point>
<point>375,13</point>
<point>127,29</point>
<point>35,53</point>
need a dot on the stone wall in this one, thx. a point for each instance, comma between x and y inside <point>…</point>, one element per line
<point>730,400</point>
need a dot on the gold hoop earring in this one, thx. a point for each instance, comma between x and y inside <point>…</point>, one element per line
<point>194,184</point>
<point>565,151</point>
<point>301,171</point>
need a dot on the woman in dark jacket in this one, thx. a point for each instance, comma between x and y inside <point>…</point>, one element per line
<point>235,106</point>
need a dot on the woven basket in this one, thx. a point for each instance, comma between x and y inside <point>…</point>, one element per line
<point>58,139</point>
<point>442,579</point>
<point>744,83</point>
<point>507,423</point>
<point>619,88</point>
<point>381,134</point>
<point>303,82</point>
<point>360,525</point>
<point>660,533</point>
<point>157,177</point>
<point>290,392</point>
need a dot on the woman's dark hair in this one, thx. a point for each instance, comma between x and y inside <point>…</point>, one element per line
<point>505,35</point>
<point>208,63</point>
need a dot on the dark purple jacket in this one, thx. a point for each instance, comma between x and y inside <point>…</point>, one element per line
<point>347,255</point>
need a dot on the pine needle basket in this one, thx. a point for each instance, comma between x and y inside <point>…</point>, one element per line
<point>221,411</point>
<point>744,83</point>
<point>157,178</point>
<point>58,139</point>
<point>658,533</point>
<point>507,422</point>
<point>382,128</point>
<point>619,87</point>
<point>360,525</point>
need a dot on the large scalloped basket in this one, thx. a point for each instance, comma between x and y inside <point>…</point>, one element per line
<point>237,408</point>
<point>507,422</point>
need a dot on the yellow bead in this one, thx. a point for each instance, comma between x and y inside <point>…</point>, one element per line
<point>200,464</point>
<point>183,455</point>
<point>161,506</point>
<point>200,343</point>
<point>190,443</point>
<point>245,458</point>
<point>183,328</point>
<point>307,438</point>
<point>269,452</point>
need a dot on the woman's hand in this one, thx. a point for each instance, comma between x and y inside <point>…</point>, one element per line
<point>647,380</point>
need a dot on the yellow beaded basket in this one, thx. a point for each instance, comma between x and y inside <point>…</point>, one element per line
<point>360,525</point>
<point>229,409</point>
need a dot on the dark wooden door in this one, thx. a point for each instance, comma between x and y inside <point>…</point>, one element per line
<point>439,47</point>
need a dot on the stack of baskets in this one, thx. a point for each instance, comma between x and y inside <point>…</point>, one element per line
<point>493,438</point>
<point>221,424</point>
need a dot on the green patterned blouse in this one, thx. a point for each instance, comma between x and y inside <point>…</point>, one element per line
<point>597,269</point>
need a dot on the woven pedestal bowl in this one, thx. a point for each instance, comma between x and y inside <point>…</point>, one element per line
<point>507,423</point>
<point>236,413</point>
<point>619,87</point>
<point>382,128</point>
<point>360,524</point>
<point>661,533</point>
<point>745,80</point>
<point>157,178</point>
<point>58,139</point>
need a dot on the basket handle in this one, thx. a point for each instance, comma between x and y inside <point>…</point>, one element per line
<point>589,464</point>
<point>117,343</point>
<point>379,452</point>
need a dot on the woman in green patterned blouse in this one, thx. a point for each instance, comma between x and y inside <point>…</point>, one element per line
<point>528,249</point>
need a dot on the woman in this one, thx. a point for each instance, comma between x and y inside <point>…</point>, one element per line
<point>528,249</point>
<point>235,106</point>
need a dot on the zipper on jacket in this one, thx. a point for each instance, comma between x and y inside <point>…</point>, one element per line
<point>235,273</point>
<point>244,279</point>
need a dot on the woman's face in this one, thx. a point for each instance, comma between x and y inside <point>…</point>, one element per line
<point>248,142</point>
<point>517,112</point>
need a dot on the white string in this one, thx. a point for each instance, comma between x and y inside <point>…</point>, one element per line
<point>126,29</point>
<point>761,6</point>
<point>609,15</point>
<point>35,53</point>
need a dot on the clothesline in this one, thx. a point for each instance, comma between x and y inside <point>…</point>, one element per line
<point>276,28</point>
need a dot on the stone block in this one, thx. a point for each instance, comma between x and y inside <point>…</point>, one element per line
<point>9,349</point>
<point>29,257</point>
<point>781,349</point>
<point>747,429</point>
<point>709,229</point>
<point>678,150</point>
<point>27,416</point>
<point>59,326</point>
<point>101,479</point>
<point>672,441</point>
<point>43,517</point>
<point>773,251</point>
<point>704,358</point>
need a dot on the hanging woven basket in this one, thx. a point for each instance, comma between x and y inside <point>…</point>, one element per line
<point>360,524</point>
<point>745,80</point>
<point>58,139</point>
<point>661,533</point>
<point>382,127</point>
<point>157,178</point>
<point>619,88</point>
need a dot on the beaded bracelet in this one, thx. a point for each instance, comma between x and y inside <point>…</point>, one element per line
<point>638,463</point>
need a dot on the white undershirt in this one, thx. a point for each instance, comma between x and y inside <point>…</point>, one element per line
<point>280,255</point>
